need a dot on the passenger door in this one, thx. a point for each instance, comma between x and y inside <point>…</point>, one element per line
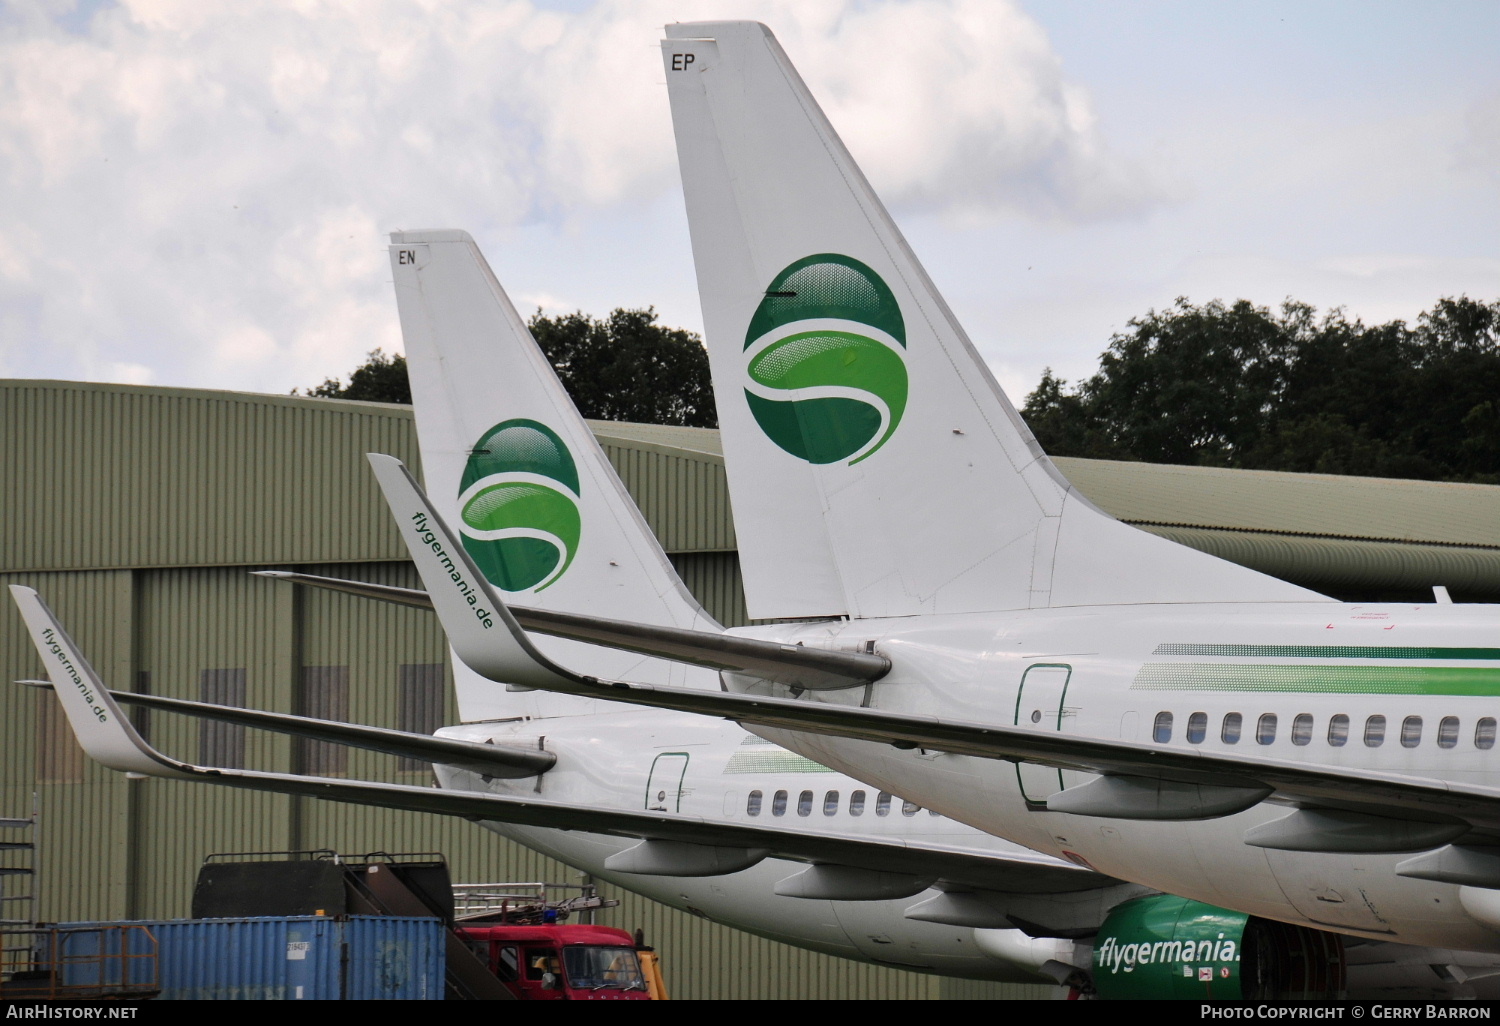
<point>1039,704</point>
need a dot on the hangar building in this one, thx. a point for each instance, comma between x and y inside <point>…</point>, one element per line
<point>138,511</point>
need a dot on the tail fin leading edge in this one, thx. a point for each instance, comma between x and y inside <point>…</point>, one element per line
<point>875,466</point>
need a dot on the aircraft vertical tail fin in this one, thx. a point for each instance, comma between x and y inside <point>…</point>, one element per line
<point>512,465</point>
<point>875,466</point>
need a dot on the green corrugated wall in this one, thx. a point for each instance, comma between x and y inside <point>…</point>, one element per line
<point>137,513</point>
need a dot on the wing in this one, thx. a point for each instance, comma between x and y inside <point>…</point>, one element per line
<point>669,844</point>
<point>492,760</point>
<point>812,669</point>
<point>1334,809</point>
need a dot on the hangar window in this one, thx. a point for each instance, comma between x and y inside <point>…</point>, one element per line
<point>419,687</point>
<point>1302,729</point>
<point>1375,731</point>
<point>1484,732</point>
<point>910,808</point>
<point>1197,728</point>
<point>830,803</point>
<point>804,803</point>
<point>325,696</point>
<point>58,756</point>
<point>140,716</point>
<point>1411,732</point>
<point>222,744</point>
<point>1338,730</point>
<point>1265,729</point>
<point>883,804</point>
<point>856,803</point>
<point>1448,732</point>
<point>752,804</point>
<point>778,804</point>
<point>1229,733</point>
<point>1161,731</point>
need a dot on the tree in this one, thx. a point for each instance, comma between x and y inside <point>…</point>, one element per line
<point>628,367</point>
<point>380,379</point>
<point>625,367</point>
<point>1239,386</point>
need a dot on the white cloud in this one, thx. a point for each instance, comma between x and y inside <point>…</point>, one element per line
<point>200,189</point>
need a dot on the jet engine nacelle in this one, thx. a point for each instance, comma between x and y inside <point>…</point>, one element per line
<point>1168,947</point>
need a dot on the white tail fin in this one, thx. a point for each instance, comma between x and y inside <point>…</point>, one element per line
<point>508,461</point>
<point>875,466</point>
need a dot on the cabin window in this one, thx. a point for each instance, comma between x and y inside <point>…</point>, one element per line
<point>1302,729</point>
<point>1197,728</point>
<point>883,804</point>
<point>1484,733</point>
<point>1229,733</point>
<point>831,803</point>
<point>1411,732</point>
<point>856,803</point>
<point>1375,731</point>
<point>1161,732</point>
<point>910,808</point>
<point>1338,730</point>
<point>1265,729</point>
<point>804,803</point>
<point>778,804</point>
<point>752,804</point>
<point>1448,732</point>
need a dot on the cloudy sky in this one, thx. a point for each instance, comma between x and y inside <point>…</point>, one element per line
<point>196,194</point>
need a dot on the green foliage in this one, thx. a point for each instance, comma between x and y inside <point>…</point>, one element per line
<point>1239,386</point>
<point>628,367</point>
<point>625,367</point>
<point>380,379</point>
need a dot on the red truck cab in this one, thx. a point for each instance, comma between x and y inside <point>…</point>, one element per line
<point>560,962</point>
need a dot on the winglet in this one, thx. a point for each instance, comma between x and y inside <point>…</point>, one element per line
<point>102,729</point>
<point>480,627</point>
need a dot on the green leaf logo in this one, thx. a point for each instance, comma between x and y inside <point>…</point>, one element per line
<point>518,505</point>
<point>825,360</point>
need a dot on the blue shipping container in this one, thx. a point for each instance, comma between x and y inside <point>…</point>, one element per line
<point>358,958</point>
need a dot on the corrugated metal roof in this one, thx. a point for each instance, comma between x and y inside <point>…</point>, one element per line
<point>1275,502</point>
<point>693,439</point>
<point>1326,505</point>
<point>118,475</point>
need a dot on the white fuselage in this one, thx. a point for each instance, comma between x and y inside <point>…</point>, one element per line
<point>709,769</point>
<point>1110,672</point>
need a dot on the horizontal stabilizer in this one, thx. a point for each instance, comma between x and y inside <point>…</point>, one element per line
<point>446,567</point>
<point>364,589</point>
<point>501,761</point>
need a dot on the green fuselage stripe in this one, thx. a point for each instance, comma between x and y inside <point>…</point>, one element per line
<point>1327,652</point>
<point>1346,680</point>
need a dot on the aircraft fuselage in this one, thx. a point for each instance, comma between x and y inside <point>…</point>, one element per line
<point>1407,689</point>
<point>696,766</point>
